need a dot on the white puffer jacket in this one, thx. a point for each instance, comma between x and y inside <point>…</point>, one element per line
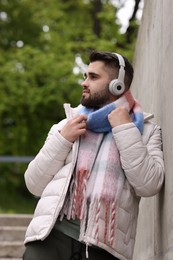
<point>49,174</point>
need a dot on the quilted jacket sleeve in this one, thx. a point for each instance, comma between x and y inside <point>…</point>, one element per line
<point>48,161</point>
<point>141,157</point>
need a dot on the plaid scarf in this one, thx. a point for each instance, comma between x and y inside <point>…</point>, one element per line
<point>99,178</point>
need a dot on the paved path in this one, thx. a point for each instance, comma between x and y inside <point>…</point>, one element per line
<point>12,232</point>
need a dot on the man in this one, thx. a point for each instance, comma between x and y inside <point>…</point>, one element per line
<point>92,170</point>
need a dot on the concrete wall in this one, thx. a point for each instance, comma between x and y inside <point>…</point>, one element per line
<point>153,86</point>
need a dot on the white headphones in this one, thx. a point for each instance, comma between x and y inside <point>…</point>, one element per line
<point>117,86</point>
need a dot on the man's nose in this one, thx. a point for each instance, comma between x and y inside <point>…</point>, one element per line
<point>84,83</point>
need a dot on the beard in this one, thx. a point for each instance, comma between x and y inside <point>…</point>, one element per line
<point>96,100</point>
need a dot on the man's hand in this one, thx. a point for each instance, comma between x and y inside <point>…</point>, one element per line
<point>119,116</point>
<point>74,128</point>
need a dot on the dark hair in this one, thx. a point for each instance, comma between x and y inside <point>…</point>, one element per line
<point>111,60</point>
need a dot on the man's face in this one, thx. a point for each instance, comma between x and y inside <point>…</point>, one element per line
<point>96,86</point>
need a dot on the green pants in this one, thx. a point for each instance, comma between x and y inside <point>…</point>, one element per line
<point>58,246</point>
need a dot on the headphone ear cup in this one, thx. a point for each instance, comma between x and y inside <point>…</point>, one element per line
<point>116,87</point>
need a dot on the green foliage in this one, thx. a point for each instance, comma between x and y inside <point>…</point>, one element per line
<point>38,45</point>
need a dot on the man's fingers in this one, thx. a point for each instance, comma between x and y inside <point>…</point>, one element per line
<point>80,118</point>
<point>83,124</point>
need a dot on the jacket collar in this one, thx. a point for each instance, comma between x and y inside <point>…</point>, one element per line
<point>148,116</point>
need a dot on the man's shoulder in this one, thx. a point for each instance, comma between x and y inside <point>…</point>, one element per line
<point>150,126</point>
<point>149,120</point>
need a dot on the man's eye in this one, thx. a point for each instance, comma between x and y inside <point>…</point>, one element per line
<point>93,77</point>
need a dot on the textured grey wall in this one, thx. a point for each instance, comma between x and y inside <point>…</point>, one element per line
<point>153,87</point>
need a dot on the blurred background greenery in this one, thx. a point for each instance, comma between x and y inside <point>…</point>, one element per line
<point>44,46</point>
